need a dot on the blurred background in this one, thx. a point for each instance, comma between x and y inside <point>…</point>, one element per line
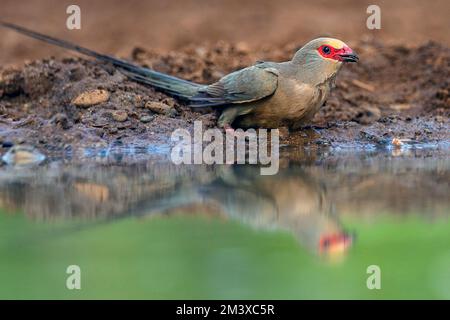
<point>116,27</point>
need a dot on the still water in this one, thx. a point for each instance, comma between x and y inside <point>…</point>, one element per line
<point>140,227</point>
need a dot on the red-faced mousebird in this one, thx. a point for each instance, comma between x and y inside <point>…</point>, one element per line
<point>267,94</point>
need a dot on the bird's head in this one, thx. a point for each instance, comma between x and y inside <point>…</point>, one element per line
<point>324,56</point>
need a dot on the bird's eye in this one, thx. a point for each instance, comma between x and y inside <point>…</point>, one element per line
<point>326,49</point>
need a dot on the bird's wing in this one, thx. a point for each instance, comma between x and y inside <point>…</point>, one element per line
<point>246,85</point>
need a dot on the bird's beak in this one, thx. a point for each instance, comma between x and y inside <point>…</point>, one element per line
<point>353,57</point>
<point>348,55</point>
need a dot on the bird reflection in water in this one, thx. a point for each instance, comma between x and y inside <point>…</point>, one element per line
<point>292,200</point>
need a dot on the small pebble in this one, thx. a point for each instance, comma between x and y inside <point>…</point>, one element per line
<point>120,115</point>
<point>113,130</point>
<point>146,119</point>
<point>158,107</point>
<point>90,98</point>
<point>62,120</point>
<point>439,119</point>
<point>23,156</point>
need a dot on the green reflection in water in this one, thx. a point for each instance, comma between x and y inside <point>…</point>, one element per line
<point>181,257</point>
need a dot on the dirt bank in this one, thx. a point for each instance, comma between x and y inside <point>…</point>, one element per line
<point>394,92</point>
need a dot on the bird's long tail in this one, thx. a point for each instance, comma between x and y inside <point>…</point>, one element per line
<point>169,84</point>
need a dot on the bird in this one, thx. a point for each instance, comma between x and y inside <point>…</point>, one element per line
<point>265,95</point>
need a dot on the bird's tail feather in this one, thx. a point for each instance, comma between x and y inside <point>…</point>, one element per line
<point>172,85</point>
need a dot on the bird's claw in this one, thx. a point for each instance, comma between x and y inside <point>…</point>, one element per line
<point>229,130</point>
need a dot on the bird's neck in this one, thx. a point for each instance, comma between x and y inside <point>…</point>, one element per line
<point>314,72</point>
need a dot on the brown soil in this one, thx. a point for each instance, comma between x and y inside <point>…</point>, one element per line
<point>395,91</point>
<point>399,89</point>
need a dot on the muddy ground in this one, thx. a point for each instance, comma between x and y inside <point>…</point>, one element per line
<point>396,91</point>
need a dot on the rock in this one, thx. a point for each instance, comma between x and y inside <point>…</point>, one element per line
<point>113,130</point>
<point>369,136</point>
<point>120,115</point>
<point>439,119</point>
<point>169,101</point>
<point>62,120</point>
<point>367,115</point>
<point>159,108</point>
<point>37,81</point>
<point>146,119</point>
<point>21,155</point>
<point>90,98</point>
<point>11,82</point>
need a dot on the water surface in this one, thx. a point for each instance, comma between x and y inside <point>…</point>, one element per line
<point>141,227</point>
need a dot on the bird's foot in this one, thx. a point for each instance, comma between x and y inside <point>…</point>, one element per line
<point>229,130</point>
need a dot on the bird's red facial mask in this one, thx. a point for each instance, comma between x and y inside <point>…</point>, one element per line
<point>334,243</point>
<point>345,54</point>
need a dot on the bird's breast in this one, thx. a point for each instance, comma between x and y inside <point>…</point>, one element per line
<point>293,103</point>
<point>295,99</point>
